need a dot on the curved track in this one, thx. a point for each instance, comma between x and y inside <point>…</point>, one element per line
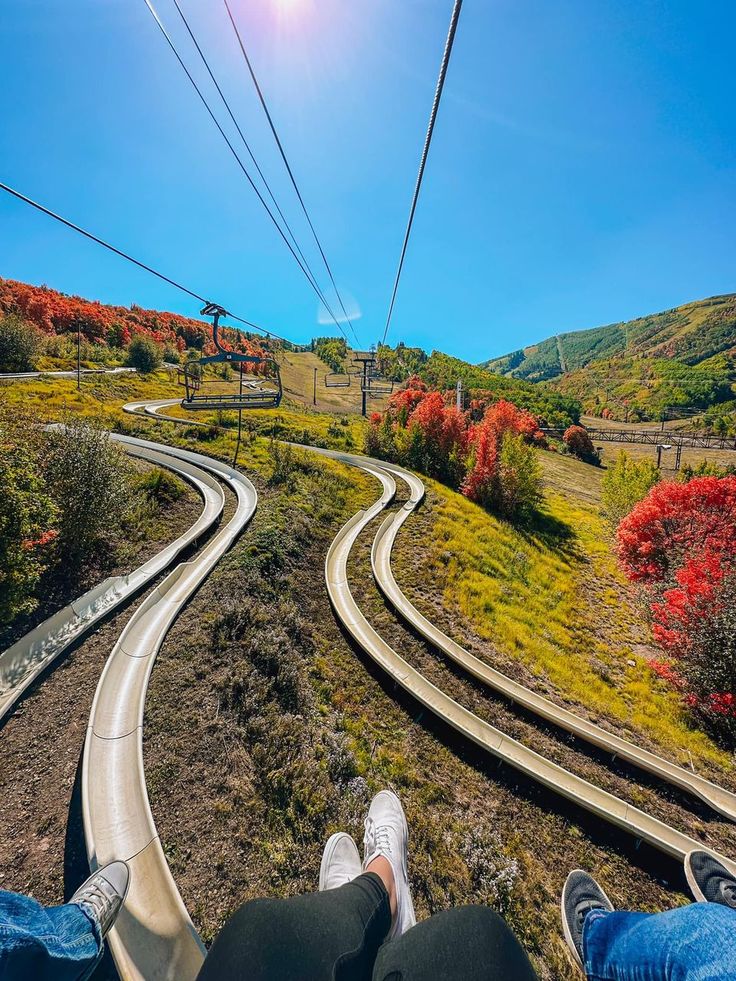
<point>154,937</point>
<point>721,800</point>
<point>72,373</point>
<point>604,805</point>
<point>25,660</point>
<point>584,794</point>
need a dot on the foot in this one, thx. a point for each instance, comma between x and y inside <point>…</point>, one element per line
<point>340,862</point>
<point>709,880</point>
<point>580,895</point>
<point>387,836</point>
<point>103,894</point>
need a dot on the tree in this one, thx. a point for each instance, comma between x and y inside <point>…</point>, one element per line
<point>579,443</point>
<point>625,484</point>
<point>20,344</point>
<point>144,354</point>
<point>519,478</point>
<point>680,543</point>
<point>675,522</point>
<point>27,516</point>
<point>88,477</point>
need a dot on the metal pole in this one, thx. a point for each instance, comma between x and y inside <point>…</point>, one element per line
<point>364,386</point>
<point>79,355</point>
<point>314,395</point>
<point>459,395</point>
<point>659,457</point>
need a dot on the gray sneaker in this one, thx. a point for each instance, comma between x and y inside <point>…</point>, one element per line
<point>340,862</point>
<point>709,880</point>
<point>387,835</point>
<point>103,894</point>
<point>581,894</point>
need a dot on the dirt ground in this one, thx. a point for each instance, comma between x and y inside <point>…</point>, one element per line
<point>41,841</point>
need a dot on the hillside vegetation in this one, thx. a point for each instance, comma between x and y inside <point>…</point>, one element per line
<point>673,363</point>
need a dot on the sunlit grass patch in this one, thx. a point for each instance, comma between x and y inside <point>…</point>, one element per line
<point>550,596</point>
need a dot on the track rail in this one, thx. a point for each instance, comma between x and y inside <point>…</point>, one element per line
<point>71,373</point>
<point>721,800</point>
<point>32,654</point>
<point>154,937</point>
<point>604,805</point>
<point>582,793</point>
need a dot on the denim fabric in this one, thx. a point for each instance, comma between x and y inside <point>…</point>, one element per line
<point>57,943</point>
<point>692,943</point>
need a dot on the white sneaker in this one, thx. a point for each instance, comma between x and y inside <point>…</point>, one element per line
<point>103,894</point>
<point>340,862</point>
<point>387,835</point>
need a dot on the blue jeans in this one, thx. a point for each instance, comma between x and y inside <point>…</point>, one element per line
<point>56,943</point>
<point>692,943</point>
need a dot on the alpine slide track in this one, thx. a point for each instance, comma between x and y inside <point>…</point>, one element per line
<point>154,937</point>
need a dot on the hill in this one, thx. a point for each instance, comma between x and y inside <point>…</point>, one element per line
<point>678,362</point>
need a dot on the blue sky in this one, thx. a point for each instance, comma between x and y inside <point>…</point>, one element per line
<point>583,169</point>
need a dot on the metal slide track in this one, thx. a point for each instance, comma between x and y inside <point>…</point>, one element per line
<point>25,660</point>
<point>721,800</point>
<point>582,793</point>
<point>154,937</point>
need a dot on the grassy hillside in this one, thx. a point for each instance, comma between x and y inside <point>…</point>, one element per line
<point>691,334</point>
<point>668,364</point>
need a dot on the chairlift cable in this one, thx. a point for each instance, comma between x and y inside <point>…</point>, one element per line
<point>290,172</point>
<point>241,134</point>
<point>425,153</point>
<point>130,258</point>
<point>242,166</point>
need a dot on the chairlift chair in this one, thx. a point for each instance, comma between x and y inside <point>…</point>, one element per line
<point>376,385</point>
<point>259,392</point>
<point>337,379</point>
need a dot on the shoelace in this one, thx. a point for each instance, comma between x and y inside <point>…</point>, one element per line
<point>378,836</point>
<point>96,896</point>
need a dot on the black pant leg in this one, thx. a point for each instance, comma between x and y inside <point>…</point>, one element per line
<point>470,943</point>
<point>325,936</point>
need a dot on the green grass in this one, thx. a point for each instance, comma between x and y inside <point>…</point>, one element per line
<point>551,597</point>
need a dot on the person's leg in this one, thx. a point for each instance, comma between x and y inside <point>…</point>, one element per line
<point>58,943</point>
<point>471,943</point>
<point>695,941</point>
<point>326,936</point>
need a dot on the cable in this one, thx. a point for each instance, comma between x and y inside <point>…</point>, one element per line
<point>425,152</point>
<point>242,166</point>
<point>286,164</point>
<point>241,134</point>
<point>136,262</point>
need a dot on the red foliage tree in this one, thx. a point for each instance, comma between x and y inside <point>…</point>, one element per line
<point>680,542</point>
<point>675,522</point>
<point>579,443</point>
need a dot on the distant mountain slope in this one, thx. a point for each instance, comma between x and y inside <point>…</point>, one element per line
<point>675,364</point>
<point>690,334</point>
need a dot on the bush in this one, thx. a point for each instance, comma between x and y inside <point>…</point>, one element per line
<point>675,522</point>
<point>680,543</point>
<point>27,516</point>
<point>20,344</point>
<point>88,478</point>
<point>579,443</point>
<point>625,484</point>
<point>144,354</point>
<point>160,486</point>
